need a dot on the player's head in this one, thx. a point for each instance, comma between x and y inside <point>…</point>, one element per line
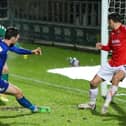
<point>114,18</point>
<point>12,34</point>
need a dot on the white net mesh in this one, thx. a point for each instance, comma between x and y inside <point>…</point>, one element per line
<point>118,6</point>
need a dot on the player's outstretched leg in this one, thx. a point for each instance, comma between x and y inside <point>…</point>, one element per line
<point>118,76</point>
<point>27,104</point>
<point>5,76</point>
<point>13,90</point>
<point>111,92</point>
<point>93,92</point>
<point>92,103</point>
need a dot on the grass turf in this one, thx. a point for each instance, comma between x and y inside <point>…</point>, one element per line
<point>60,93</point>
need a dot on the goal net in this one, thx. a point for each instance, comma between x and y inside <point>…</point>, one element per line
<point>118,6</point>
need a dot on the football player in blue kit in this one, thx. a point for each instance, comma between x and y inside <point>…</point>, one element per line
<point>8,44</point>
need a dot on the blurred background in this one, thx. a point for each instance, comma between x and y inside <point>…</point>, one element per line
<point>74,23</point>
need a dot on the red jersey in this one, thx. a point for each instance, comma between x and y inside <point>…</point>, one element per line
<point>117,44</point>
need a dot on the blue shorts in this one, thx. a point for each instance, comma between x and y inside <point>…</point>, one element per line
<point>3,86</point>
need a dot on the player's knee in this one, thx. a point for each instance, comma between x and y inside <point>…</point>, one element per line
<point>118,77</point>
<point>93,84</point>
<point>116,80</point>
<point>18,93</point>
<point>5,70</point>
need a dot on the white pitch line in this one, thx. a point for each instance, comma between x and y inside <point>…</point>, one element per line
<point>48,83</point>
<point>56,85</point>
<point>121,94</point>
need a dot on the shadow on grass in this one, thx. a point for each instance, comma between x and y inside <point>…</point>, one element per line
<point>15,116</point>
<point>121,116</point>
<point>4,124</point>
<point>11,109</point>
<point>14,108</point>
<point>17,123</point>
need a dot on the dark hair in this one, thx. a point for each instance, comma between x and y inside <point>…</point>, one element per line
<point>115,17</point>
<point>11,32</point>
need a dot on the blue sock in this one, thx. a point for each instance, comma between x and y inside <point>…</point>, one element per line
<point>26,103</point>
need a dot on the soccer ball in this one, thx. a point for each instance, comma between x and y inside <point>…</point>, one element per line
<point>74,61</point>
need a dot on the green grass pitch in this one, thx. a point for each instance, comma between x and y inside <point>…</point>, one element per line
<point>41,88</point>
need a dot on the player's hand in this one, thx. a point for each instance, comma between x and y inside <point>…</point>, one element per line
<point>98,45</point>
<point>37,51</point>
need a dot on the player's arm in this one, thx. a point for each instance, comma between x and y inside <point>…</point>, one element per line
<point>23,51</point>
<point>19,50</point>
<point>104,47</point>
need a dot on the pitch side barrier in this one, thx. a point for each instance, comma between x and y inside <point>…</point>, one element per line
<point>65,23</point>
<point>58,34</point>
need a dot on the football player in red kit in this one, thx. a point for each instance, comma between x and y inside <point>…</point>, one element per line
<point>115,69</point>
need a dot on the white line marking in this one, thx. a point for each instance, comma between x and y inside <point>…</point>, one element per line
<point>56,85</point>
<point>121,100</point>
<point>121,94</point>
<point>48,83</point>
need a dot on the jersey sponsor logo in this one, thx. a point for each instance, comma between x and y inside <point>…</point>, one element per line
<point>115,41</point>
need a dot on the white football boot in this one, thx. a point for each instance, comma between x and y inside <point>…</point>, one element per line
<point>104,110</point>
<point>88,105</point>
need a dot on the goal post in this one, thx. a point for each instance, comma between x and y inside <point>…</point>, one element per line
<point>104,40</point>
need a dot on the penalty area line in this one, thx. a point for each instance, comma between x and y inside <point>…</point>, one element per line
<point>48,83</point>
<point>56,85</point>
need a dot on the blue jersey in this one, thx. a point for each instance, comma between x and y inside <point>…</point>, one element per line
<point>4,48</point>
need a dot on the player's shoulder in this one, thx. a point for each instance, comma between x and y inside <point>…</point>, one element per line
<point>123,27</point>
<point>2,44</point>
